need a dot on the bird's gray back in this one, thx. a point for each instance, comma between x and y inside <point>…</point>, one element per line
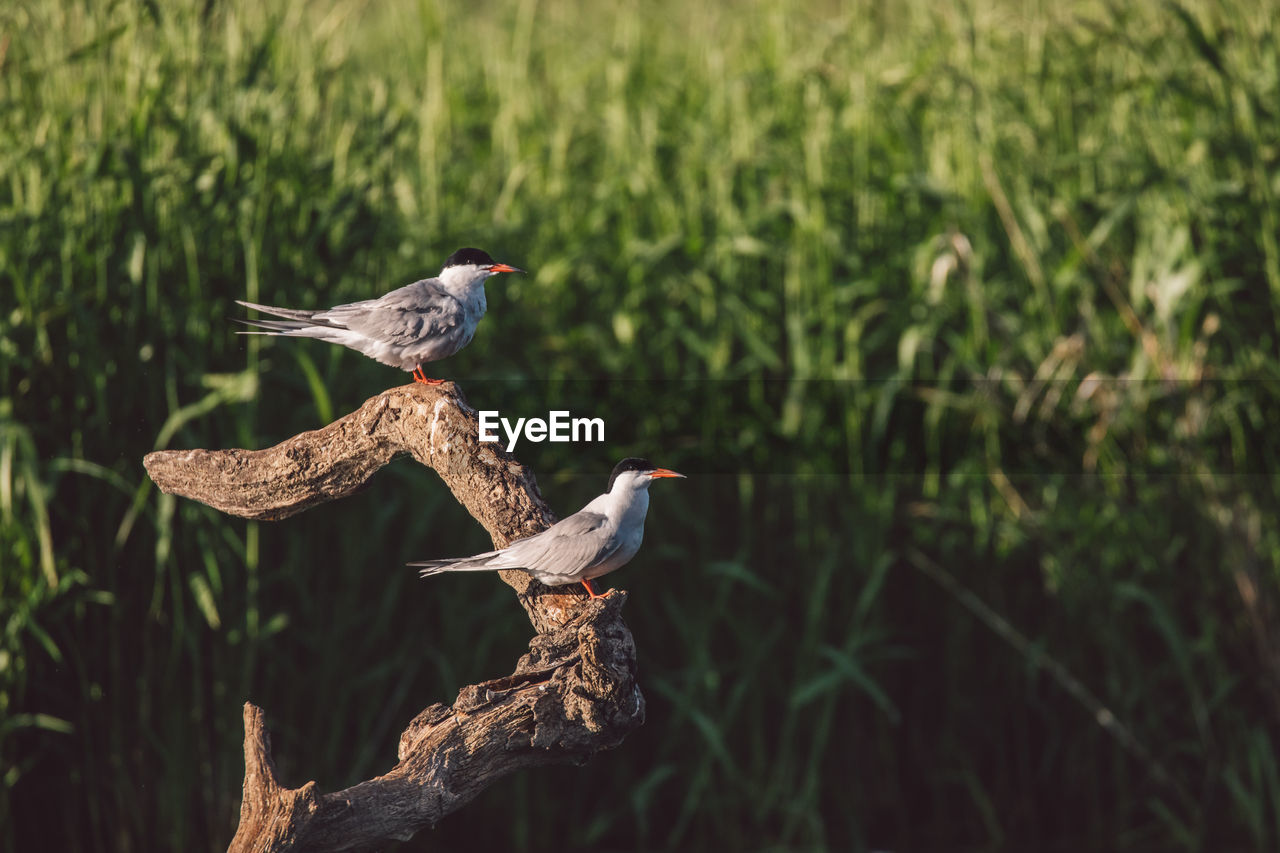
<point>402,316</point>
<point>419,322</point>
<point>567,549</point>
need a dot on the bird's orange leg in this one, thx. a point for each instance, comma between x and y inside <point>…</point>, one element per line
<point>421,378</point>
<point>591,589</point>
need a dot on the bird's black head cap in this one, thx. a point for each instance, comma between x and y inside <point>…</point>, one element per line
<point>631,463</point>
<point>479,257</point>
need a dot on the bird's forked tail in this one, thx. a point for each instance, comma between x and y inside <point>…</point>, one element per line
<point>478,563</point>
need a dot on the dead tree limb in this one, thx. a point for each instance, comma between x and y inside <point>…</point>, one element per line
<point>573,694</point>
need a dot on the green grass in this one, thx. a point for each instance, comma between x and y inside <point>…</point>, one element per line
<point>964,321</point>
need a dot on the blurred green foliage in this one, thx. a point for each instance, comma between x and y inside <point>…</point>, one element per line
<point>964,321</point>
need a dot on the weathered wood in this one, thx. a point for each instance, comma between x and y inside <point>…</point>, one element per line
<point>434,424</point>
<point>573,695</point>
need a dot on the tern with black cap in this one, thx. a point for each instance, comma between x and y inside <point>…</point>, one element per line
<point>406,328</point>
<point>602,536</point>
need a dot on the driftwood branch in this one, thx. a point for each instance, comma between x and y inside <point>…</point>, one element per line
<point>573,694</point>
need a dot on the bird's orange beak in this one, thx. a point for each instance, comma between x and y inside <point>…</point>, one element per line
<point>663,472</point>
<point>504,268</point>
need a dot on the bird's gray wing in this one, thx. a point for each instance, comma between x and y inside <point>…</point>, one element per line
<point>403,316</point>
<point>566,549</point>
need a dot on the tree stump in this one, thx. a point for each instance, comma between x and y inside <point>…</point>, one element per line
<point>573,695</point>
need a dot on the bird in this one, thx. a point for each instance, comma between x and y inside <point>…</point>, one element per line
<point>602,536</point>
<point>406,328</point>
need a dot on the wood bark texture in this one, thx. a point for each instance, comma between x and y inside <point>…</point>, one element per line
<point>573,694</point>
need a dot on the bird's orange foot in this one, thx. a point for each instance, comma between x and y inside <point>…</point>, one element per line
<point>421,378</point>
<point>591,589</point>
